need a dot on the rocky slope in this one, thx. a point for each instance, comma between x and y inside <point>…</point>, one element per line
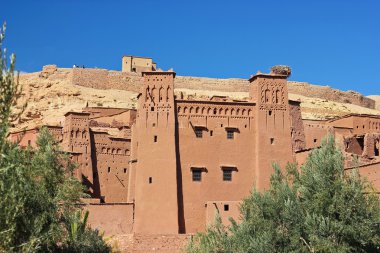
<point>51,93</point>
<point>376,98</point>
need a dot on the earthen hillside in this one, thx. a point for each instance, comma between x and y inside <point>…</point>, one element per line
<point>377,100</point>
<point>54,91</point>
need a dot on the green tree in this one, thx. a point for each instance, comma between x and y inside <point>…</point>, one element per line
<point>317,208</point>
<point>38,194</point>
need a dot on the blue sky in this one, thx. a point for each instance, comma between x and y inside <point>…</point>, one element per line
<point>329,42</point>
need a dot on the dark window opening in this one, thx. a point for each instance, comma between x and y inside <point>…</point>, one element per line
<point>377,149</point>
<point>361,142</point>
<point>270,113</point>
<point>221,125</point>
<point>150,180</point>
<point>230,134</point>
<point>109,169</point>
<point>227,175</point>
<point>198,132</point>
<point>272,141</point>
<point>363,126</point>
<point>315,140</point>
<point>134,69</point>
<point>197,175</point>
<point>211,132</point>
<point>226,208</point>
<point>125,170</point>
<point>152,109</point>
<point>155,138</point>
<point>29,142</point>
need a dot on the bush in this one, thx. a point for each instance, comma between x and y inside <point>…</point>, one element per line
<point>319,209</point>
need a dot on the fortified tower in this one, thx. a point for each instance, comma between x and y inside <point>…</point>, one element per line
<point>156,177</point>
<point>76,140</point>
<point>273,138</point>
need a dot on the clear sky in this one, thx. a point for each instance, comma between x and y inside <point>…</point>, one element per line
<point>329,42</point>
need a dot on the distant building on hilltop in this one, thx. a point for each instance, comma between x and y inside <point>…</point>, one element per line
<point>137,64</point>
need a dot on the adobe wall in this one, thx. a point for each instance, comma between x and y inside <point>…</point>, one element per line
<point>112,219</point>
<point>372,173</point>
<point>226,210</point>
<point>106,79</point>
<point>111,168</point>
<point>309,90</point>
<point>109,79</point>
<point>211,153</point>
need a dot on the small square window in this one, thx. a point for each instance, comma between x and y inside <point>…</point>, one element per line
<point>125,170</point>
<point>152,109</point>
<point>211,132</point>
<point>155,138</point>
<point>226,208</point>
<point>198,132</point>
<point>227,174</point>
<point>197,175</point>
<point>230,134</point>
<point>315,140</point>
<point>272,141</point>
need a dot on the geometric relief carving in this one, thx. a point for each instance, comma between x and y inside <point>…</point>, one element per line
<point>214,110</point>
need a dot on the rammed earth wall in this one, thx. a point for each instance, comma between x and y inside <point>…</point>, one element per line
<point>110,79</point>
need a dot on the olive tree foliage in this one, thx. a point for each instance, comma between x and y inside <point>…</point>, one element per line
<point>316,208</point>
<point>38,194</point>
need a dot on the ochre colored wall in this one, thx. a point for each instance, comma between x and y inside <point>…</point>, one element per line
<point>112,219</point>
<point>212,152</point>
<point>156,172</point>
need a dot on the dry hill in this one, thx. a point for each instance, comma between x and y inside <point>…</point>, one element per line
<point>54,91</point>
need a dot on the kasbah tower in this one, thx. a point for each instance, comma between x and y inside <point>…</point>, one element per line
<point>160,173</point>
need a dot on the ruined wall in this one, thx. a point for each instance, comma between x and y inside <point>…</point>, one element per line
<point>108,79</point>
<point>298,133</point>
<point>309,90</point>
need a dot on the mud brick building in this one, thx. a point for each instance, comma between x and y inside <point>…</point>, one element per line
<point>168,166</point>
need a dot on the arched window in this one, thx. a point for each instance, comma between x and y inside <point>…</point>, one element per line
<point>160,94</point>
<point>147,94</point>
<point>153,94</point>
<point>278,97</point>
<point>168,94</point>
<point>267,95</point>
